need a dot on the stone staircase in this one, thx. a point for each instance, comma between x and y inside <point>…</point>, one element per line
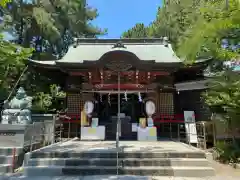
<point>7,161</point>
<point>179,164</point>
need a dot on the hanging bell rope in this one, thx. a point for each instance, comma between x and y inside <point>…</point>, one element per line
<point>15,85</point>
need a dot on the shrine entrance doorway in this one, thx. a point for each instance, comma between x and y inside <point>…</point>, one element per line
<point>132,108</point>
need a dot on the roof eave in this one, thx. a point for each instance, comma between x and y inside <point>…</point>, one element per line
<point>44,64</point>
<point>203,60</point>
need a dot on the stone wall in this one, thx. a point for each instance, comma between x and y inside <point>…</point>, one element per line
<point>42,130</point>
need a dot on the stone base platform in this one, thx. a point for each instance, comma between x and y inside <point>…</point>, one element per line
<point>81,158</point>
<point>126,146</point>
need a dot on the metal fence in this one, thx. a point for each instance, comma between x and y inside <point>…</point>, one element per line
<point>67,130</point>
<point>165,131</point>
<point>56,130</point>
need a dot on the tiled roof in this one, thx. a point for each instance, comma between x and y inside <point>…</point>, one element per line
<point>144,49</point>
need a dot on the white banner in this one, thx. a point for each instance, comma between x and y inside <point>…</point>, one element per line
<point>134,127</point>
<point>93,133</point>
<point>150,122</point>
<point>190,126</point>
<point>147,134</point>
<point>94,122</point>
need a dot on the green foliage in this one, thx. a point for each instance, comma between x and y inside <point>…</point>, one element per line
<point>224,91</point>
<point>172,20</point>
<point>41,102</point>
<point>138,31</point>
<point>49,28</point>
<point>214,23</point>
<point>195,28</point>
<point>55,91</point>
<point>228,152</point>
<point>3,3</point>
<point>56,22</point>
<point>46,102</point>
<point>12,62</point>
<point>223,98</point>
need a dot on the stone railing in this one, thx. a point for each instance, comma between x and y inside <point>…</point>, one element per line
<point>42,130</point>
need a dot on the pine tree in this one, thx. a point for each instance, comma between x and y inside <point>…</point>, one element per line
<point>138,31</point>
<point>49,26</point>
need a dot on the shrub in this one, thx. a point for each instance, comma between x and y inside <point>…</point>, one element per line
<point>228,152</point>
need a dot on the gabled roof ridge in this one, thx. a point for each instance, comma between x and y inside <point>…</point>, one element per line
<point>144,41</point>
<point>125,43</point>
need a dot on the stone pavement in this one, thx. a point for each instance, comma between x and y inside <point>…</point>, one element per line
<point>119,178</point>
<point>223,172</point>
<point>127,146</point>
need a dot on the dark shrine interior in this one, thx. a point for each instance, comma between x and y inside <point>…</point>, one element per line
<point>106,106</point>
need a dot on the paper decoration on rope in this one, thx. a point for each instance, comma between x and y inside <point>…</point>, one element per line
<point>139,97</point>
<point>109,99</point>
<point>125,96</point>
<point>100,97</point>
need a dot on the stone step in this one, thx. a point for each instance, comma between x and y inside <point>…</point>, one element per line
<point>6,159</point>
<point>123,162</point>
<point>106,170</point>
<point>5,168</point>
<point>8,151</point>
<point>111,154</point>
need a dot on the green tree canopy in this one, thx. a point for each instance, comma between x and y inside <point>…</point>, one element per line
<point>196,28</point>
<point>3,3</point>
<point>172,20</point>
<point>49,26</point>
<point>215,23</point>
<point>138,31</point>
<point>12,61</point>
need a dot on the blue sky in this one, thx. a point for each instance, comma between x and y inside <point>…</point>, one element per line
<point>120,15</point>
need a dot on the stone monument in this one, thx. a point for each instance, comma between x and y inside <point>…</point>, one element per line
<point>17,111</point>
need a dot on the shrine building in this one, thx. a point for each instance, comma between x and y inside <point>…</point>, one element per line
<point>141,70</point>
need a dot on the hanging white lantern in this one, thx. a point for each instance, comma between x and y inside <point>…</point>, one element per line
<point>139,97</point>
<point>125,96</point>
<point>150,108</point>
<point>88,107</point>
